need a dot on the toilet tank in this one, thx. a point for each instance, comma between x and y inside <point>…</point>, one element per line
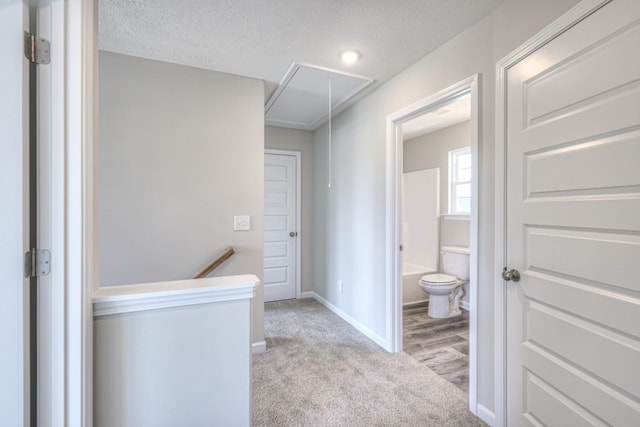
<point>455,261</point>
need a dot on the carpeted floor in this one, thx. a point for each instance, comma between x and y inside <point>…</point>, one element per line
<point>319,371</point>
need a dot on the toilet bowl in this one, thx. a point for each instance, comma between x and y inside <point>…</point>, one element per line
<point>444,293</point>
<point>445,289</point>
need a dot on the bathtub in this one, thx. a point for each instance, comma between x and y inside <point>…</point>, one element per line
<point>411,274</point>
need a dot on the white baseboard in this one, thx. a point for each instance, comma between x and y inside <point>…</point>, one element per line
<point>353,322</point>
<point>304,295</point>
<point>463,304</point>
<point>404,304</point>
<point>486,415</point>
<point>259,347</point>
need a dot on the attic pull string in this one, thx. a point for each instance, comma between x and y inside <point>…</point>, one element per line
<point>330,162</point>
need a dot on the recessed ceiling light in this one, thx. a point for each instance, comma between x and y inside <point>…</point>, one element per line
<point>350,56</point>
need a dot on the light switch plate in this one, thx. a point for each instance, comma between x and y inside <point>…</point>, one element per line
<point>241,223</point>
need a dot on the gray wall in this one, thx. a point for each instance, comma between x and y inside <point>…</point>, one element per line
<point>181,151</point>
<point>142,378</point>
<point>349,225</point>
<point>302,141</point>
<point>432,151</point>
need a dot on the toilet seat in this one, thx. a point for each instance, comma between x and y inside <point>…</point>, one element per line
<point>439,279</point>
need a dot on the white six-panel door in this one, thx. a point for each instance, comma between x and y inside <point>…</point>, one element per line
<point>14,216</point>
<point>573,225</point>
<point>280,226</point>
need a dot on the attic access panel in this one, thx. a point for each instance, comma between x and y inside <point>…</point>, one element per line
<point>301,100</point>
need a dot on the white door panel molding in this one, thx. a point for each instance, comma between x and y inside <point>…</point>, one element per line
<point>568,203</point>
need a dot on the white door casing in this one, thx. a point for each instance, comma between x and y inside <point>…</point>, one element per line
<point>48,128</point>
<point>66,109</point>
<point>571,124</point>
<point>281,225</point>
<point>393,313</point>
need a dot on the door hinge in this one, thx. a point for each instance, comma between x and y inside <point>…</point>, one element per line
<point>37,262</point>
<point>37,49</point>
<point>401,248</point>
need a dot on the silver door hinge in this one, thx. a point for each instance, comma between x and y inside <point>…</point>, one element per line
<point>37,262</point>
<point>37,49</point>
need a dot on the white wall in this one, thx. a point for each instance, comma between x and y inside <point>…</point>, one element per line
<point>181,151</point>
<point>351,215</point>
<point>302,141</point>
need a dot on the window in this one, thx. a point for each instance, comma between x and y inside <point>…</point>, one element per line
<point>460,181</point>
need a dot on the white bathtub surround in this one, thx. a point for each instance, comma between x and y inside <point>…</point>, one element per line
<point>420,231</point>
<point>174,353</point>
<point>420,212</point>
<point>411,274</point>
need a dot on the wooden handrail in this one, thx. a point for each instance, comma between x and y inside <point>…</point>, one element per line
<point>215,264</point>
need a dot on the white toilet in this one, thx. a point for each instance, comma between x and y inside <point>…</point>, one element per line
<point>445,289</point>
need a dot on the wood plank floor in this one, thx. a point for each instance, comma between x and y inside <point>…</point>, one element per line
<point>441,344</point>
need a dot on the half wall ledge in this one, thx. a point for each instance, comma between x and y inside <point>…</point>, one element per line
<point>150,296</point>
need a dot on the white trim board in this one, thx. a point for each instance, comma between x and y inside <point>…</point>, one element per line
<point>486,415</point>
<point>350,320</point>
<point>393,316</point>
<point>74,108</point>
<point>463,304</point>
<point>298,156</point>
<point>553,30</point>
<point>258,347</point>
<point>151,296</point>
<point>410,303</point>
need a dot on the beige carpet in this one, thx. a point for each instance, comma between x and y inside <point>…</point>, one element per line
<point>319,371</point>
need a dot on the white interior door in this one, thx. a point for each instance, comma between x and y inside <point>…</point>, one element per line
<point>14,216</point>
<point>573,225</point>
<point>280,226</point>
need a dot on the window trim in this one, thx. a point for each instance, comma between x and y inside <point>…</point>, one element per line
<point>453,168</point>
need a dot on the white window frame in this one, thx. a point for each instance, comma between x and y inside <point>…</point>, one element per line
<point>453,176</point>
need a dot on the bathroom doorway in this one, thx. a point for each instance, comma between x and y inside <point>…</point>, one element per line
<point>457,214</point>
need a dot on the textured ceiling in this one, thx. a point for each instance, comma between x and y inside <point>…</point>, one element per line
<point>261,38</point>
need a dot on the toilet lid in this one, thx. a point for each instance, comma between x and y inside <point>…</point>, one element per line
<point>439,279</point>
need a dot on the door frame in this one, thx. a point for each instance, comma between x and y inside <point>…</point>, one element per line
<point>298,157</point>
<point>72,104</point>
<point>581,11</point>
<point>470,86</point>
<point>65,131</point>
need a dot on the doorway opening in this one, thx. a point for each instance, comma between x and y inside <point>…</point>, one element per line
<point>398,124</point>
